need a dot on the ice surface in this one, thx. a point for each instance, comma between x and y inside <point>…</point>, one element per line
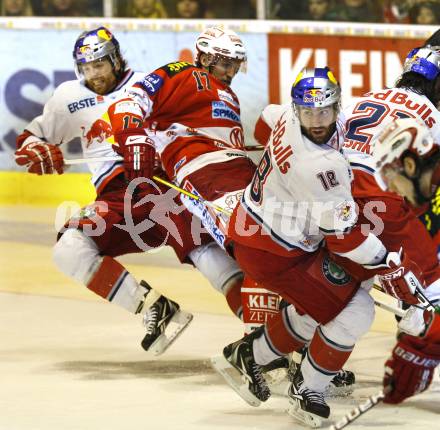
<point>72,364</point>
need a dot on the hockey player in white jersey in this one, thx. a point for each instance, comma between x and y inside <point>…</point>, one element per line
<point>86,248</point>
<point>416,94</point>
<point>301,195</point>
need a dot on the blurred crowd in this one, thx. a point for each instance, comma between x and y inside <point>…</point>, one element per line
<point>390,11</point>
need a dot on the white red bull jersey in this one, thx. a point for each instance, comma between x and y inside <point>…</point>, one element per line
<point>202,112</point>
<point>75,111</point>
<point>301,191</point>
<point>365,118</point>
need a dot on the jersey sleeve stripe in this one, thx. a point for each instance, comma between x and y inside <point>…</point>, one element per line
<point>363,167</point>
<point>103,179</point>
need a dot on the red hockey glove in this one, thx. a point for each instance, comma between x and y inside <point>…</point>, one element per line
<point>138,152</point>
<point>401,277</point>
<point>40,158</point>
<point>410,368</point>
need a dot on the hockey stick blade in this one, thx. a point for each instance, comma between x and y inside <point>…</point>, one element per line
<point>234,379</point>
<point>173,330</point>
<point>355,413</point>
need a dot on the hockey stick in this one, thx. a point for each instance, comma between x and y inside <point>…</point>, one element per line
<point>252,148</point>
<point>390,308</point>
<point>359,410</point>
<point>156,178</point>
<point>425,303</point>
<point>92,160</point>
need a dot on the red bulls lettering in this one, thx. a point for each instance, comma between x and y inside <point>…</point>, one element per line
<point>280,152</point>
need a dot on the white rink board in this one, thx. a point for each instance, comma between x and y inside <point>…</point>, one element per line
<point>37,54</point>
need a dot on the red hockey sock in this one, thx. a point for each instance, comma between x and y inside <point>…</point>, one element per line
<point>233,297</point>
<point>281,336</point>
<point>108,278</point>
<point>327,356</point>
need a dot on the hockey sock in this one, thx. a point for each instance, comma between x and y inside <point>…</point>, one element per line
<point>279,339</point>
<point>112,282</point>
<point>233,296</point>
<point>323,360</point>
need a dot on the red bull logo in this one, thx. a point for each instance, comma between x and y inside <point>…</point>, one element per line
<point>99,131</point>
<point>314,95</point>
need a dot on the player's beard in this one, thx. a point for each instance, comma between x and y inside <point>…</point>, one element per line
<point>102,85</point>
<point>319,135</point>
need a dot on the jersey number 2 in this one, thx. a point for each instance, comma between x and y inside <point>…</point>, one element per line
<point>373,113</point>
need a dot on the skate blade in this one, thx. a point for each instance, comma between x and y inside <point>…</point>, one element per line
<point>310,420</point>
<point>173,330</point>
<point>234,379</point>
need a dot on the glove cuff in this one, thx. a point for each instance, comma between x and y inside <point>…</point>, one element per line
<point>418,352</point>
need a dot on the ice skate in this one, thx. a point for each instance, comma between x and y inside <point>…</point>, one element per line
<point>341,385</point>
<point>306,406</point>
<point>238,368</point>
<point>164,322</point>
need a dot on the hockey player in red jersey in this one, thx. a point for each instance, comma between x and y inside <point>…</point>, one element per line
<point>86,249</point>
<point>299,196</point>
<point>407,160</point>
<point>192,115</point>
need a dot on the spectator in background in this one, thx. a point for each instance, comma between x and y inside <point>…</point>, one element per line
<point>189,9</point>
<point>317,10</point>
<point>16,8</point>
<point>65,8</point>
<point>142,9</point>
<point>425,13</point>
<point>396,11</point>
<point>233,9</point>
<point>357,11</point>
<point>286,9</point>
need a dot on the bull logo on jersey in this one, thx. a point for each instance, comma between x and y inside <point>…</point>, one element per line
<point>99,131</point>
<point>334,273</point>
<point>314,95</point>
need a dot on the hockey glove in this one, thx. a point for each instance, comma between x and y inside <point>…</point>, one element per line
<point>40,158</point>
<point>400,277</point>
<point>410,368</point>
<point>138,152</point>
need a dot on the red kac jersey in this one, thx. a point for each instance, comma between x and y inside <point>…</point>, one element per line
<point>195,116</point>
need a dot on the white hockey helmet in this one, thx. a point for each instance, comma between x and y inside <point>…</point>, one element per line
<point>219,42</point>
<point>401,137</point>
